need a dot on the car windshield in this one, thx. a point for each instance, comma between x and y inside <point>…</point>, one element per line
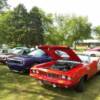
<point>84,57</point>
<point>16,51</point>
<point>37,53</point>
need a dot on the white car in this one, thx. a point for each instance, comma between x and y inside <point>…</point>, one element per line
<point>14,52</point>
<point>94,52</point>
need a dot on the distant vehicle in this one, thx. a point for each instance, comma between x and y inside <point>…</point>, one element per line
<point>68,73</point>
<point>32,49</point>
<point>40,55</point>
<point>94,52</point>
<point>13,52</point>
<point>5,51</point>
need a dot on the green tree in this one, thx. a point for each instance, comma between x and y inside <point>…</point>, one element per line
<point>70,29</point>
<point>3,5</point>
<point>47,22</point>
<point>35,29</point>
<point>3,17</point>
<point>96,31</point>
<point>13,25</point>
<point>20,27</point>
<point>4,27</point>
<point>18,24</point>
<point>78,28</point>
<point>48,27</point>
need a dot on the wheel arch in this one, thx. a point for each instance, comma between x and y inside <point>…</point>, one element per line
<point>85,77</point>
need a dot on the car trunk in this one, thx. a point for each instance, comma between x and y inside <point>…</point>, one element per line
<point>50,50</point>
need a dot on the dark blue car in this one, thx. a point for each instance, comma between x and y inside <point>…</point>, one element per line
<point>24,62</point>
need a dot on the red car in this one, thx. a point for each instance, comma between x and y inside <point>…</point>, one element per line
<point>69,72</point>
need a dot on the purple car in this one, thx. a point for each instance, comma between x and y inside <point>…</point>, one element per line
<point>25,62</point>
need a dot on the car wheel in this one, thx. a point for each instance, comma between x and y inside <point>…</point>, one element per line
<point>80,86</point>
<point>35,64</point>
<point>28,69</point>
<point>21,72</point>
<point>98,66</point>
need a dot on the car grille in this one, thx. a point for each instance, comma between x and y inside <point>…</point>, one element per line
<point>15,61</point>
<point>49,74</point>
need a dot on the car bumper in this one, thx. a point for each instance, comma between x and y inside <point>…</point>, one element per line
<point>17,67</point>
<point>53,81</point>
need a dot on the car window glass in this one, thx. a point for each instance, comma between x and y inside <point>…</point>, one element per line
<point>17,51</point>
<point>62,54</point>
<point>37,53</point>
<point>84,58</point>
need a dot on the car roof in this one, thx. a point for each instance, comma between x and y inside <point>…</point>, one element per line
<point>94,49</point>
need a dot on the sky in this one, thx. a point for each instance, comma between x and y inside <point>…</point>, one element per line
<point>89,8</point>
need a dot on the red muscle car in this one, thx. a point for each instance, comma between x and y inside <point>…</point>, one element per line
<point>72,71</point>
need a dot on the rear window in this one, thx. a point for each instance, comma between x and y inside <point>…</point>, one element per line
<point>62,54</point>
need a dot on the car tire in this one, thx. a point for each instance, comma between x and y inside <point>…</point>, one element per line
<point>80,86</point>
<point>98,66</point>
<point>35,64</point>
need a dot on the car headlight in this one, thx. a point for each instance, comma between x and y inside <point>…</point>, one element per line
<point>69,78</point>
<point>37,71</point>
<point>4,58</point>
<point>23,62</point>
<point>64,77</point>
<point>33,71</point>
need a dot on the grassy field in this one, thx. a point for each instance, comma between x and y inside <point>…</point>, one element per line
<point>14,86</point>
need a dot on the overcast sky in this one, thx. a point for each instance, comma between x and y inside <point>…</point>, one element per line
<point>90,8</point>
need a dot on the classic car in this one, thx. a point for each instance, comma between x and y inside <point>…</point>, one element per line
<point>71,72</point>
<point>95,52</point>
<point>40,55</point>
<point>13,52</point>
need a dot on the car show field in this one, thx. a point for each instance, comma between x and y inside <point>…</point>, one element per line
<point>49,50</point>
<point>15,86</point>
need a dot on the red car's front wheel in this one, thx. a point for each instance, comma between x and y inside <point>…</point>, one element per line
<point>80,85</point>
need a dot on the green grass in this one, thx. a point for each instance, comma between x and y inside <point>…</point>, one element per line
<point>14,86</point>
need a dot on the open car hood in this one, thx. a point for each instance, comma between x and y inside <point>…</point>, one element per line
<point>52,52</point>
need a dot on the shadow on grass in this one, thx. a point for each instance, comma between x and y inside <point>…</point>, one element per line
<point>23,87</point>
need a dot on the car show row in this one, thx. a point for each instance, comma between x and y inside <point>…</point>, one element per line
<point>58,66</point>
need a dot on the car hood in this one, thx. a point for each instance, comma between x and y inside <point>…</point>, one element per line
<point>51,51</point>
<point>6,55</point>
<point>22,57</point>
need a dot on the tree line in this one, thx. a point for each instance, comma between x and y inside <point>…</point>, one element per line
<point>18,26</point>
